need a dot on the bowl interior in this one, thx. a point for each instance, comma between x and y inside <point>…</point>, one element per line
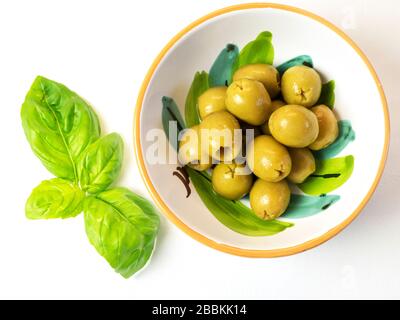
<point>357,99</point>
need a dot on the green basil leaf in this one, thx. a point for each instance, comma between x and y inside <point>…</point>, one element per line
<point>301,206</point>
<point>100,164</point>
<point>329,175</point>
<point>233,214</point>
<point>56,198</point>
<point>171,113</point>
<point>304,60</point>
<point>122,227</point>
<point>59,125</point>
<point>221,70</point>
<point>346,135</point>
<point>327,96</point>
<point>199,85</point>
<point>259,50</point>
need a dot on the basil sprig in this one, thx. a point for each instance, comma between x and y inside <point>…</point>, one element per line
<point>64,132</point>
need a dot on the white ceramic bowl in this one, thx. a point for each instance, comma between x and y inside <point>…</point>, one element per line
<point>359,98</point>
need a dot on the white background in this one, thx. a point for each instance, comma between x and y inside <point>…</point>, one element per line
<point>102,50</point>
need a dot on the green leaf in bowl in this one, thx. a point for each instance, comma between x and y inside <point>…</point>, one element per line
<point>329,175</point>
<point>259,50</point>
<point>233,214</point>
<point>221,70</point>
<point>327,96</point>
<point>199,85</point>
<point>346,135</point>
<point>304,60</point>
<point>302,206</point>
<point>170,113</point>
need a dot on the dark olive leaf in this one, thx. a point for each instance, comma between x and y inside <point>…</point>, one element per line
<point>297,61</point>
<point>302,206</point>
<point>59,125</point>
<point>170,115</point>
<point>123,227</point>
<point>221,70</point>
<point>100,164</point>
<point>346,135</point>
<point>55,198</point>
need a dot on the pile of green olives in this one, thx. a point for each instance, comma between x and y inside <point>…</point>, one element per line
<point>287,125</point>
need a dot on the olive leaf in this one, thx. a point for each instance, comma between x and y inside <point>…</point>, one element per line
<point>233,214</point>
<point>59,125</point>
<point>346,135</point>
<point>122,227</point>
<point>301,206</point>
<point>327,96</point>
<point>170,113</point>
<point>199,85</point>
<point>304,60</point>
<point>100,164</point>
<point>221,69</point>
<point>55,198</point>
<point>259,50</point>
<point>329,175</point>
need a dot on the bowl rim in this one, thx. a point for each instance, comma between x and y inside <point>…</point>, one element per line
<point>255,253</point>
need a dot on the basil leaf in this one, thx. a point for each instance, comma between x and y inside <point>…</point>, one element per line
<point>56,198</point>
<point>171,113</point>
<point>221,70</point>
<point>122,227</point>
<point>304,60</point>
<point>100,164</point>
<point>346,135</point>
<point>199,85</point>
<point>233,214</point>
<point>259,50</point>
<point>59,125</point>
<point>327,96</point>
<point>301,206</point>
<point>329,175</point>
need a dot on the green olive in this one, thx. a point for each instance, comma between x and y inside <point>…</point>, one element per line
<point>301,85</point>
<point>268,159</point>
<point>190,152</point>
<point>249,132</point>
<point>249,101</point>
<point>245,126</point>
<point>232,181</point>
<point>328,127</point>
<point>264,73</point>
<point>269,199</point>
<point>221,136</point>
<point>275,104</point>
<point>212,100</point>
<point>294,126</point>
<point>303,164</point>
